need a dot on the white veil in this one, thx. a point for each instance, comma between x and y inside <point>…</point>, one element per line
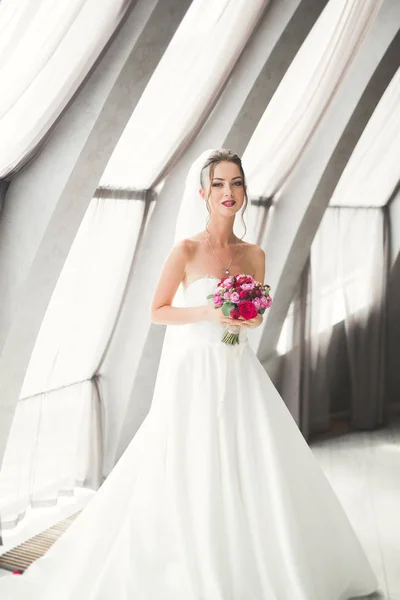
<point>193,211</point>
<point>191,220</point>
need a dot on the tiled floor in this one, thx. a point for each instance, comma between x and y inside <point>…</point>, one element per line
<point>364,470</point>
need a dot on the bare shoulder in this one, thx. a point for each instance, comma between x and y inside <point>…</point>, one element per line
<point>197,238</point>
<point>188,246</point>
<point>256,252</point>
<point>185,248</point>
<point>260,252</point>
<point>256,256</point>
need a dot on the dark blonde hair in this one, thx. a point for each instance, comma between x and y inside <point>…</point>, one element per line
<point>217,156</point>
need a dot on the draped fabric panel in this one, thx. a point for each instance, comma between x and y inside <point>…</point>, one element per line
<point>182,91</point>
<point>349,285</point>
<point>82,311</point>
<point>393,321</point>
<point>305,91</point>
<point>3,189</point>
<point>54,445</point>
<point>336,329</point>
<point>366,332</point>
<point>373,169</point>
<point>60,426</point>
<point>291,348</point>
<point>46,50</point>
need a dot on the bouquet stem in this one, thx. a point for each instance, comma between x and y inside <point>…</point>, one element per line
<point>231,335</point>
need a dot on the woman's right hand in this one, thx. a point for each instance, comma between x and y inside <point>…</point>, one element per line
<point>215,315</point>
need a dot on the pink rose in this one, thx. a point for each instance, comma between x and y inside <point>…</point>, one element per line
<point>217,300</point>
<point>235,297</point>
<point>227,296</point>
<point>257,303</point>
<point>248,286</point>
<point>266,301</point>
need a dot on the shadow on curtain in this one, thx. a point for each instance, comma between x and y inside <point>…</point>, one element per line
<point>334,366</point>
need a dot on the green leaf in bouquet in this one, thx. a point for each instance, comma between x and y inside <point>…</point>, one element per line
<point>261,310</point>
<point>210,296</point>
<point>227,307</point>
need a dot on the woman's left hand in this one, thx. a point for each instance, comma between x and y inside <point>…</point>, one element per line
<point>251,323</point>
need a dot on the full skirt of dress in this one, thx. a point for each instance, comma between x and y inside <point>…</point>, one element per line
<point>217,497</point>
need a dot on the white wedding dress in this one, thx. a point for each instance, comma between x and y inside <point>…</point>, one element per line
<point>217,497</point>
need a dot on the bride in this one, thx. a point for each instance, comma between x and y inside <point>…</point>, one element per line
<point>218,496</point>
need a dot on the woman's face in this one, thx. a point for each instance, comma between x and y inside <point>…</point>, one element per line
<point>227,189</point>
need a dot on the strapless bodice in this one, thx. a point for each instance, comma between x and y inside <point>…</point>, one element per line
<point>196,295</point>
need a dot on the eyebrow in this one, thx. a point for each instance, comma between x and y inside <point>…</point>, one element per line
<point>237,177</point>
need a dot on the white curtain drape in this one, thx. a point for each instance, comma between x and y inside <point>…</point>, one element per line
<point>345,294</point>
<point>53,446</point>
<point>57,435</point>
<point>46,50</point>
<point>373,170</point>
<point>82,310</point>
<point>337,322</point>
<point>304,93</point>
<point>182,90</point>
<point>290,347</point>
<point>348,285</point>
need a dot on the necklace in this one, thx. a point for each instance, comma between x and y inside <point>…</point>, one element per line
<point>226,269</point>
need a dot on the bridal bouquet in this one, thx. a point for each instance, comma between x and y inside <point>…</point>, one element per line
<point>240,296</point>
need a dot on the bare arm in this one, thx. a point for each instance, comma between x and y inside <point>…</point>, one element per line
<point>259,264</point>
<point>172,274</point>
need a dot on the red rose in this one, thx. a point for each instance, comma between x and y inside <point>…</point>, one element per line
<point>234,314</point>
<point>243,294</point>
<point>247,310</point>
